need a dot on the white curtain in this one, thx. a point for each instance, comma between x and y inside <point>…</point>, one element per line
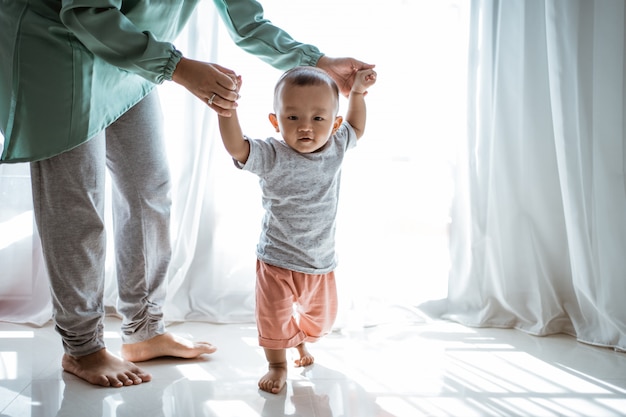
<point>24,295</point>
<point>538,238</point>
<point>396,184</point>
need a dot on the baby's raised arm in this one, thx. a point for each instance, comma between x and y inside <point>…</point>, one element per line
<point>232,135</point>
<point>356,114</point>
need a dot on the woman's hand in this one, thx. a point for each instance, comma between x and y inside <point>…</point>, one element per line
<point>215,85</point>
<point>343,71</point>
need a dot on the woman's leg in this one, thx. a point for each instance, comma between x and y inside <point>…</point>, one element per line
<point>141,217</point>
<point>141,214</point>
<point>68,198</point>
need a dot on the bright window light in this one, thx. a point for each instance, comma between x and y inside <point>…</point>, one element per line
<point>231,409</point>
<point>8,365</point>
<point>195,373</point>
<point>16,334</point>
<point>16,229</point>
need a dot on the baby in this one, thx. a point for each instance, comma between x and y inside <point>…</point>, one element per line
<point>299,176</point>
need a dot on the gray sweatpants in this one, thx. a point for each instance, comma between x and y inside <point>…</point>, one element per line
<point>68,196</point>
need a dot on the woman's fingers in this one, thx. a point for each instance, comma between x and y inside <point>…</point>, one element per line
<point>226,92</point>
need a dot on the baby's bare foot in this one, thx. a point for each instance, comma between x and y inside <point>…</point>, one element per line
<point>165,345</point>
<point>274,380</point>
<point>105,369</point>
<point>306,358</point>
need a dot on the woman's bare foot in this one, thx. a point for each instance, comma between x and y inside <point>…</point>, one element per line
<point>274,380</point>
<point>306,358</point>
<point>165,345</point>
<point>105,369</point>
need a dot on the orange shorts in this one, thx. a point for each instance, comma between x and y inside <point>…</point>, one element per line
<point>280,326</point>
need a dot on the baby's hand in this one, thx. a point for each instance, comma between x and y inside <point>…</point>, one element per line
<point>363,80</point>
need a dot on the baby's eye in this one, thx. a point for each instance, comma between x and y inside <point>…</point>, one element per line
<point>318,118</point>
<point>292,117</point>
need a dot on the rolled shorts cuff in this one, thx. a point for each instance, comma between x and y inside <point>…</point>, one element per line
<point>283,343</point>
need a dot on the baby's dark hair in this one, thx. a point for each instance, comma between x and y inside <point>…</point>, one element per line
<point>303,76</point>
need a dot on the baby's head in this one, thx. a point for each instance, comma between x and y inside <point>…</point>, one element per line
<point>305,76</point>
<point>306,103</point>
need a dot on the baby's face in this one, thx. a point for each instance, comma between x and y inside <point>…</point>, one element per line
<point>306,116</point>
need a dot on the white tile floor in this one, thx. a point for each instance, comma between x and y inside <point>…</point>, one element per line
<point>432,368</point>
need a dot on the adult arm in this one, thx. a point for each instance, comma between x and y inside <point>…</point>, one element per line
<point>112,35</point>
<point>109,34</point>
<point>255,34</point>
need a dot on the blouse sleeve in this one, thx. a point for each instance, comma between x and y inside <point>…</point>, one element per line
<point>252,32</point>
<point>109,34</point>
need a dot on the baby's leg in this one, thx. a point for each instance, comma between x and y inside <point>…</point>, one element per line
<point>317,309</point>
<point>306,358</point>
<point>276,377</point>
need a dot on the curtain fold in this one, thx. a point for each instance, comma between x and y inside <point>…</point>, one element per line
<point>539,218</point>
<point>24,293</point>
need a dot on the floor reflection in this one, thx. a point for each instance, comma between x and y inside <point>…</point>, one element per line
<point>430,369</point>
<point>322,392</point>
<point>317,391</point>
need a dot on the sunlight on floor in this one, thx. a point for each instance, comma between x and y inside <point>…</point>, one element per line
<point>194,372</point>
<point>230,409</point>
<point>432,368</point>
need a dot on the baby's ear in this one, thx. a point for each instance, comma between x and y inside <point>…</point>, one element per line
<point>274,121</point>
<point>337,124</point>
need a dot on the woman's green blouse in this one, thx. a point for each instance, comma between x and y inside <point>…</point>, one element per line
<point>69,68</point>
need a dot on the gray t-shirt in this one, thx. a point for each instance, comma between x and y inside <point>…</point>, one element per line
<point>300,197</point>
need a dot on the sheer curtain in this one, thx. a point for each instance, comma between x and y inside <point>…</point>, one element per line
<point>396,185</point>
<point>539,217</point>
